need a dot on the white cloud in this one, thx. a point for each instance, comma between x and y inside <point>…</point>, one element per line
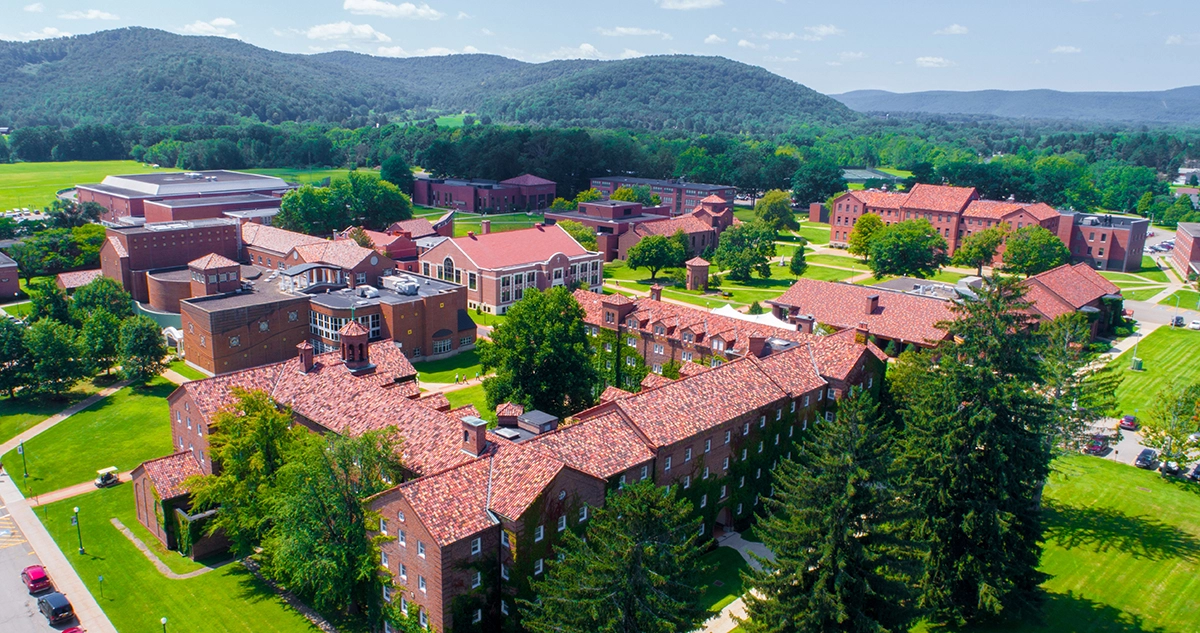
<point>820,32</point>
<point>1174,40</point>
<point>583,51</point>
<point>397,51</point>
<point>688,5</point>
<point>90,14</point>
<point>773,58</point>
<point>629,53</point>
<point>36,7</point>
<point>343,30</point>
<point>849,56</point>
<point>383,9</point>
<point>619,31</point>
<point>833,63</point>
<point>219,26</point>
<point>1066,50</point>
<point>486,31</point>
<point>749,44</point>
<point>714,39</point>
<point>470,49</point>
<point>47,33</point>
<point>953,29</point>
<point>934,62</point>
<point>463,15</point>
<point>776,35</point>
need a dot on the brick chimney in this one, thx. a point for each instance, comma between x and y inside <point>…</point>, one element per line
<point>356,353</point>
<point>872,304</point>
<point>485,227</point>
<point>304,352</point>
<point>507,414</point>
<point>862,333</point>
<point>804,323</point>
<point>756,344</point>
<point>474,435</point>
<point>656,292</point>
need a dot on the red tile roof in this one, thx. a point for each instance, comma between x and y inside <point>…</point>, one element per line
<point>939,198</point>
<point>653,380</point>
<point>520,473</point>
<point>212,260</point>
<point>527,180</point>
<point>345,254</point>
<point>1042,211</point>
<point>880,199</point>
<point>118,246</point>
<point>613,393</point>
<point>902,316</point>
<point>516,248</point>
<point>603,446</point>
<point>451,504</point>
<point>696,261</point>
<point>269,238</point>
<point>435,400</point>
<point>167,474</point>
<point>687,223</point>
<point>991,209</point>
<point>795,371</point>
<point>78,278</point>
<point>1066,289</point>
<point>509,409</point>
<point>418,227</point>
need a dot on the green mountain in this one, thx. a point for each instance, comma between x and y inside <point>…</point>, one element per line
<point>152,77</point>
<point>1178,106</point>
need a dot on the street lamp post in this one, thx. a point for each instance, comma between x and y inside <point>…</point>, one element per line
<point>78,530</point>
<point>164,623</point>
<point>24,464</point>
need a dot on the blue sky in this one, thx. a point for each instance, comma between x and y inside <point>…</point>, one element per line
<point>828,45</point>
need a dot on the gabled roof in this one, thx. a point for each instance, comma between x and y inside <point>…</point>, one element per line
<point>713,198</point>
<point>516,248</point>
<point>78,278</point>
<point>451,504</point>
<point>880,199</point>
<point>269,238</point>
<point>118,246</point>
<point>613,393</point>
<point>520,473</point>
<point>212,260</point>
<point>345,254</point>
<point>418,227</point>
<point>603,446</point>
<point>527,180</point>
<point>688,223</point>
<point>1042,211</point>
<point>1067,288</point>
<point>168,473</point>
<point>696,261</point>
<point>939,198</point>
<point>903,316</point>
<point>991,209</point>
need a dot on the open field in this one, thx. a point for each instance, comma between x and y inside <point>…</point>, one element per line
<point>307,176</point>
<point>464,364</point>
<point>814,232</point>
<point>451,120</point>
<point>135,595</point>
<point>18,414</point>
<point>839,261</point>
<point>33,185</point>
<point>122,430</point>
<point>464,222</point>
<point>1167,353</point>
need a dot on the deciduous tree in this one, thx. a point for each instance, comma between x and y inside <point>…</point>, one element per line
<point>746,247</point>
<point>775,210</point>
<point>1171,423</point>
<point>48,301</point>
<point>581,232</point>
<point>397,171</point>
<point>1032,249</point>
<point>911,248</point>
<point>143,351</point>
<point>636,571</point>
<point>101,294</point>
<point>102,340</point>
<point>14,359</point>
<point>654,252</point>
<point>979,249</point>
<point>867,226</point>
<point>58,361</point>
<point>1079,395</point>
<point>817,179</point>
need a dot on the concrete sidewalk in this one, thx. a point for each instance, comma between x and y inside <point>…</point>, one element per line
<point>91,617</point>
<point>724,621</point>
<point>73,491</point>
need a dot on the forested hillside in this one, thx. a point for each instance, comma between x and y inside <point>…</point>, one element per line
<point>1178,106</point>
<point>149,77</point>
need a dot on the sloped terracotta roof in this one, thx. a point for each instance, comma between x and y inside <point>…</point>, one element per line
<point>991,209</point>
<point>509,409</point>
<point>687,223</point>
<point>212,260</point>
<point>344,254</point>
<point>452,504</point>
<point>903,316</point>
<point>167,474</point>
<point>515,248</point>
<point>1067,288</point>
<point>520,473</point>
<point>613,393</point>
<point>653,381</point>
<point>939,198</point>
<point>464,411</point>
<point>118,246</point>
<point>418,227</point>
<point>1045,302</point>
<point>527,180</point>
<point>1042,211</point>
<point>713,198</point>
<point>78,278</point>
<point>603,446</point>
<point>697,261</point>
<point>880,199</point>
<point>269,238</point>
<point>794,370</point>
<point>435,400</point>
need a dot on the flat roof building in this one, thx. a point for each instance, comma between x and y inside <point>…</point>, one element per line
<point>127,195</point>
<point>677,195</point>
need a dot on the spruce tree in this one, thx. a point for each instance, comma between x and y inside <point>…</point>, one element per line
<point>635,572</point>
<point>976,456</point>
<point>834,525</point>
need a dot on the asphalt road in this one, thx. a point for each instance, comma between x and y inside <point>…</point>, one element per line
<point>18,609</point>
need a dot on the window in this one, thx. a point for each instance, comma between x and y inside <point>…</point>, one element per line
<point>762,421</point>
<point>725,464</point>
<point>760,446</point>
<point>728,436</point>
<point>705,472</point>
<point>739,509</point>
<point>687,357</point>
<point>562,523</point>
<point>829,416</point>
<point>707,445</point>
<point>504,571</point>
<point>658,348</point>
<point>476,545</point>
<point>421,549</point>
<point>701,528</point>
<point>776,439</point>
<point>401,539</point>
<point>805,401</point>
<point>724,492</point>
<point>703,500</point>
<point>360,278</point>
<point>383,559</point>
<point>687,455</point>
<point>539,533</point>
<point>742,481</point>
<point>472,282</point>
<point>583,514</point>
<point>758,474</point>
<point>667,464</point>
<point>832,394</point>
<point>387,593</point>
<point>421,583</point>
<point>687,482</point>
<point>424,619</point>
<point>478,617</point>
<point>478,580</point>
<point>746,429</point>
<point>504,606</point>
<point>779,413</point>
<point>743,454</point>
<point>403,571</point>
<point>630,341</point>
<point>383,526</point>
<point>621,482</point>
<point>403,605</point>
<point>537,567</point>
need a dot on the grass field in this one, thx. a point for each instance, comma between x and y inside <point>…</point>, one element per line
<point>187,371</point>
<point>464,364</point>
<point>135,595</point>
<point>839,261</point>
<point>122,430</point>
<point>727,567</point>
<point>18,414</point>
<point>1141,294</point>
<point>19,310</point>
<point>1166,353</point>
<point>815,232</point>
<point>308,176</point>
<point>1188,300</point>
<point>33,185</point>
<point>472,395</point>
<point>451,120</point>
<point>464,222</point>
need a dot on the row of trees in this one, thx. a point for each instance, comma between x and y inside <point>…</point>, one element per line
<point>359,199</point>
<point>57,250</point>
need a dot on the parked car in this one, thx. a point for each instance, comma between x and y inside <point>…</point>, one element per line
<point>56,608</point>
<point>106,477</point>
<point>1170,468</point>
<point>1129,423</point>
<point>1177,321</point>
<point>1195,474</point>
<point>35,578</point>
<point>1194,325</point>
<point>1097,446</point>
<point>1146,459</point>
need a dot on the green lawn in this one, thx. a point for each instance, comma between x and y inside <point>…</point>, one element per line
<point>745,214</point>
<point>308,176</point>
<point>895,172</point>
<point>727,567</point>
<point>464,222</point>
<point>815,232</point>
<point>483,318</point>
<point>1188,300</point>
<point>1166,353</point>
<point>18,414</point>
<point>472,395</point>
<point>1141,294</point>
<point>825,273</point>
<point>838,260</point>
<point>451,120</point>
<point>33,185</point>
<point>122,430</point>
<point>1152,271</point>
<point>444,370</point>
<point>135,595</point>
<point>19,310</point>
<point>187,371</point>
<point>1134,279</point>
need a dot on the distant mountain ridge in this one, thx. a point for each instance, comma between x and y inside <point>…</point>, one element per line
<point>152,77</point>
<point>1178,106</point>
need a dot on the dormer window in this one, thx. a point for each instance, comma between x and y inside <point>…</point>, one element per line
<point>658,329</point>
<point>688,337</point>
<point>631,323</point>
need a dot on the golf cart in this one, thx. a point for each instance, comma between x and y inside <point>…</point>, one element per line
<point>106,477</point>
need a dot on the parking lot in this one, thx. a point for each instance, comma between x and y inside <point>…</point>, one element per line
<point>18,609</point>
<point>1127,447</point>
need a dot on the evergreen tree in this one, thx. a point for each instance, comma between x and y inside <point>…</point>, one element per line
<point>835,526</point>
<point>143,351</point>
<point>58,360</point>
<point>635,572</point>
<point>798,265</point>
<point>976,456</point>
<point>540,355</point>
<point>360,237</point>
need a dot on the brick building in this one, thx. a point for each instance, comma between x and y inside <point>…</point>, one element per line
<point>69,282</point>
<point>9,277</point>
<point>497,268</point>
<point>677,195</point>
<point>523,193</point>
<point>1109,242</point>
<point>1075,288</point>
<point>268,247</point>
<point>126,196</point>
<point>401,242</point>
<point>1187,248</point>
<point>255,207</point>
<point>131,254</point>
<point>619,225</point>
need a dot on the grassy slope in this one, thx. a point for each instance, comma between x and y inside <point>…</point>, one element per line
<point>33,185</point>
<point>123,430</point>
<point>464,222</point>
<point>305,176</point>
<point>18,414</point>
<point>444,370</point>
<point>187,371</point>
<point>136,595</point>
<point>1166,353</point>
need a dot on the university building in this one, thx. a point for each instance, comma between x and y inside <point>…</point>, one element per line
<point>619,225</point>
<point>178,196</point>
<point>677,195</point>
<point>523,193</point>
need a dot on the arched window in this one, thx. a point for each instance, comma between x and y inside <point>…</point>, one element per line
<point>448,269</point>
<point>361,356</point>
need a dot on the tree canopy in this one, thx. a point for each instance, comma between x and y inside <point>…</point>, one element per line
<point>1032,249</point>
<point>357,200</point>
<point>867,226</point>
<point>746,247</point>
<point>979,249</point>
<point>816,180</point>
<point>911,248</point>
<point>775,210</point>
<point>654,252</point>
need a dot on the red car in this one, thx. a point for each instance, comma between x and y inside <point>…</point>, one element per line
<point>1098,445</point>
<point>1129,423</point>
<point>35,578</point>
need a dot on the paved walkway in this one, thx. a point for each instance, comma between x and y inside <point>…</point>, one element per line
<point>725,621</point>
<point>156,561</point>
<point>42,426</point>
<point>72,491</point>
<point>175,377</point>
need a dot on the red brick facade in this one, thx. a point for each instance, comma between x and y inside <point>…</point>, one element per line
<point>523,193</point>
<point>1187,248</point>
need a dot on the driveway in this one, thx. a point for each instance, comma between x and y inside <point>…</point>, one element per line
<point>18,609</point>
<point>1126,450</point>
